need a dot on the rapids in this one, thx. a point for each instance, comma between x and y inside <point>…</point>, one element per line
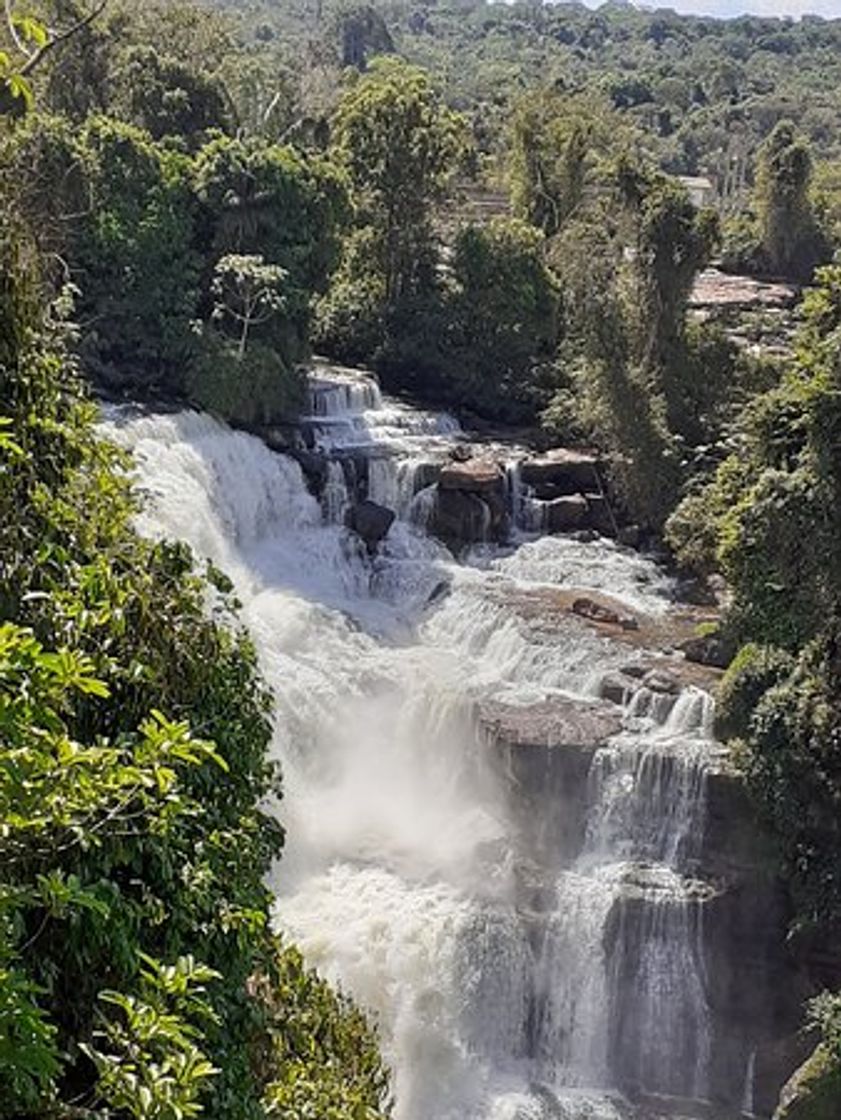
<point>403,876</point>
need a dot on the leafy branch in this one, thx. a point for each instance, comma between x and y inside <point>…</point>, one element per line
<point>30,41</point>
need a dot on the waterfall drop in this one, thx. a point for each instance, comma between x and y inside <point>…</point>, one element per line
<point>514,975</point>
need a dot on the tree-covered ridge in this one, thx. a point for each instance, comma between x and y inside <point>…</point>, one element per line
<point>706,90</point>
<point>138,973</point>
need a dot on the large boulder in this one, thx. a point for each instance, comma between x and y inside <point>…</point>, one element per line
<point>562,515</point>
<point>470,503</point>
<point>459,518</point>
<point>566,470</point>
<point>715,648</point>
<point>369,521</point>
<point>477,476</point>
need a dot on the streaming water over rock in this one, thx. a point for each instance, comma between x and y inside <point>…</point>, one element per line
<point>505,869</point>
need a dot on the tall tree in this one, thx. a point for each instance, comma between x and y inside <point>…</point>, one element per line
<point>788,231</point>
<point>399,146</point>
<point>559,145</point>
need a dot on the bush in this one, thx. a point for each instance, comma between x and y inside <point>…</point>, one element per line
<point>256,389</point>
<point>792,761</point>
<point>754,670</point>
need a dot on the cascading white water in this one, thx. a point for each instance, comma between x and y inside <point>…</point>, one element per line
<point>335,498</point>
<point>402,877</point>
<point>526,512</point>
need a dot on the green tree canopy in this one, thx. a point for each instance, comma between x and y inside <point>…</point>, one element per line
<point>399,145</point>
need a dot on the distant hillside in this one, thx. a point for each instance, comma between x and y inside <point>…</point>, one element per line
<point>706,90</point>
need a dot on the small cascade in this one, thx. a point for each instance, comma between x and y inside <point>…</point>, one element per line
<point>421,508</point>
<point>571,992</point>
<point>347,412</point>
<point>646,804</point>
<point>338,395</point>
<point>527,513</point>
<point>383,483</point>
<point>660,1032</point>
<point>749,1094</point>
<point>335,498</point>
<point>623,957</point>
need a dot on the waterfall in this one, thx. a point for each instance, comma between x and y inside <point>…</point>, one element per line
<point>508,985</point>
<point>527,514</point>
<point>749,1094</point>
<point>335,498</point>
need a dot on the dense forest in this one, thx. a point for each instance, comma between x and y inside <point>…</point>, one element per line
<point>193,202</point>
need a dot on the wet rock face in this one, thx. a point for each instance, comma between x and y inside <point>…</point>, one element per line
<point>720,922</point>
<point>459,518</point>
<point>545,752</point>
<point>369,521</point>
<point>561,515</point>
<point>470,504</point>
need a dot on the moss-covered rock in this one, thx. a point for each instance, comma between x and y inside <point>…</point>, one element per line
<point>814,1091</point>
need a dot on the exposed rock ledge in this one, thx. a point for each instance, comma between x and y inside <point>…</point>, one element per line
<point>755,989</point>
<point>561,722</point>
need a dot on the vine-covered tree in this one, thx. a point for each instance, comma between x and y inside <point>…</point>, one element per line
<point>789,235</point>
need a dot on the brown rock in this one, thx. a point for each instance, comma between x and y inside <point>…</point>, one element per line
<point>558,723</point>
<point>598,612</point>
<point>658,680</point>
<point>458,518</point>
<point>477,476</point>
<point>571,472</point>
<point>617,688</point>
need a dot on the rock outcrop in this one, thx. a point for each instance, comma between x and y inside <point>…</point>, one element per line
<point>562,515</point>
<point>469,504</point>
<point>814,1091</point>
<point>545,752</point>
<point>754,989</point>
<point>369,521</point>
<point>564,470</point>
<point>476,476</point>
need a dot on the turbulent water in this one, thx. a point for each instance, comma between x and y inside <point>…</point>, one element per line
<point>403,880</point>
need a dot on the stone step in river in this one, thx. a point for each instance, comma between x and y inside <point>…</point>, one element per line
<point>545,887</point>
